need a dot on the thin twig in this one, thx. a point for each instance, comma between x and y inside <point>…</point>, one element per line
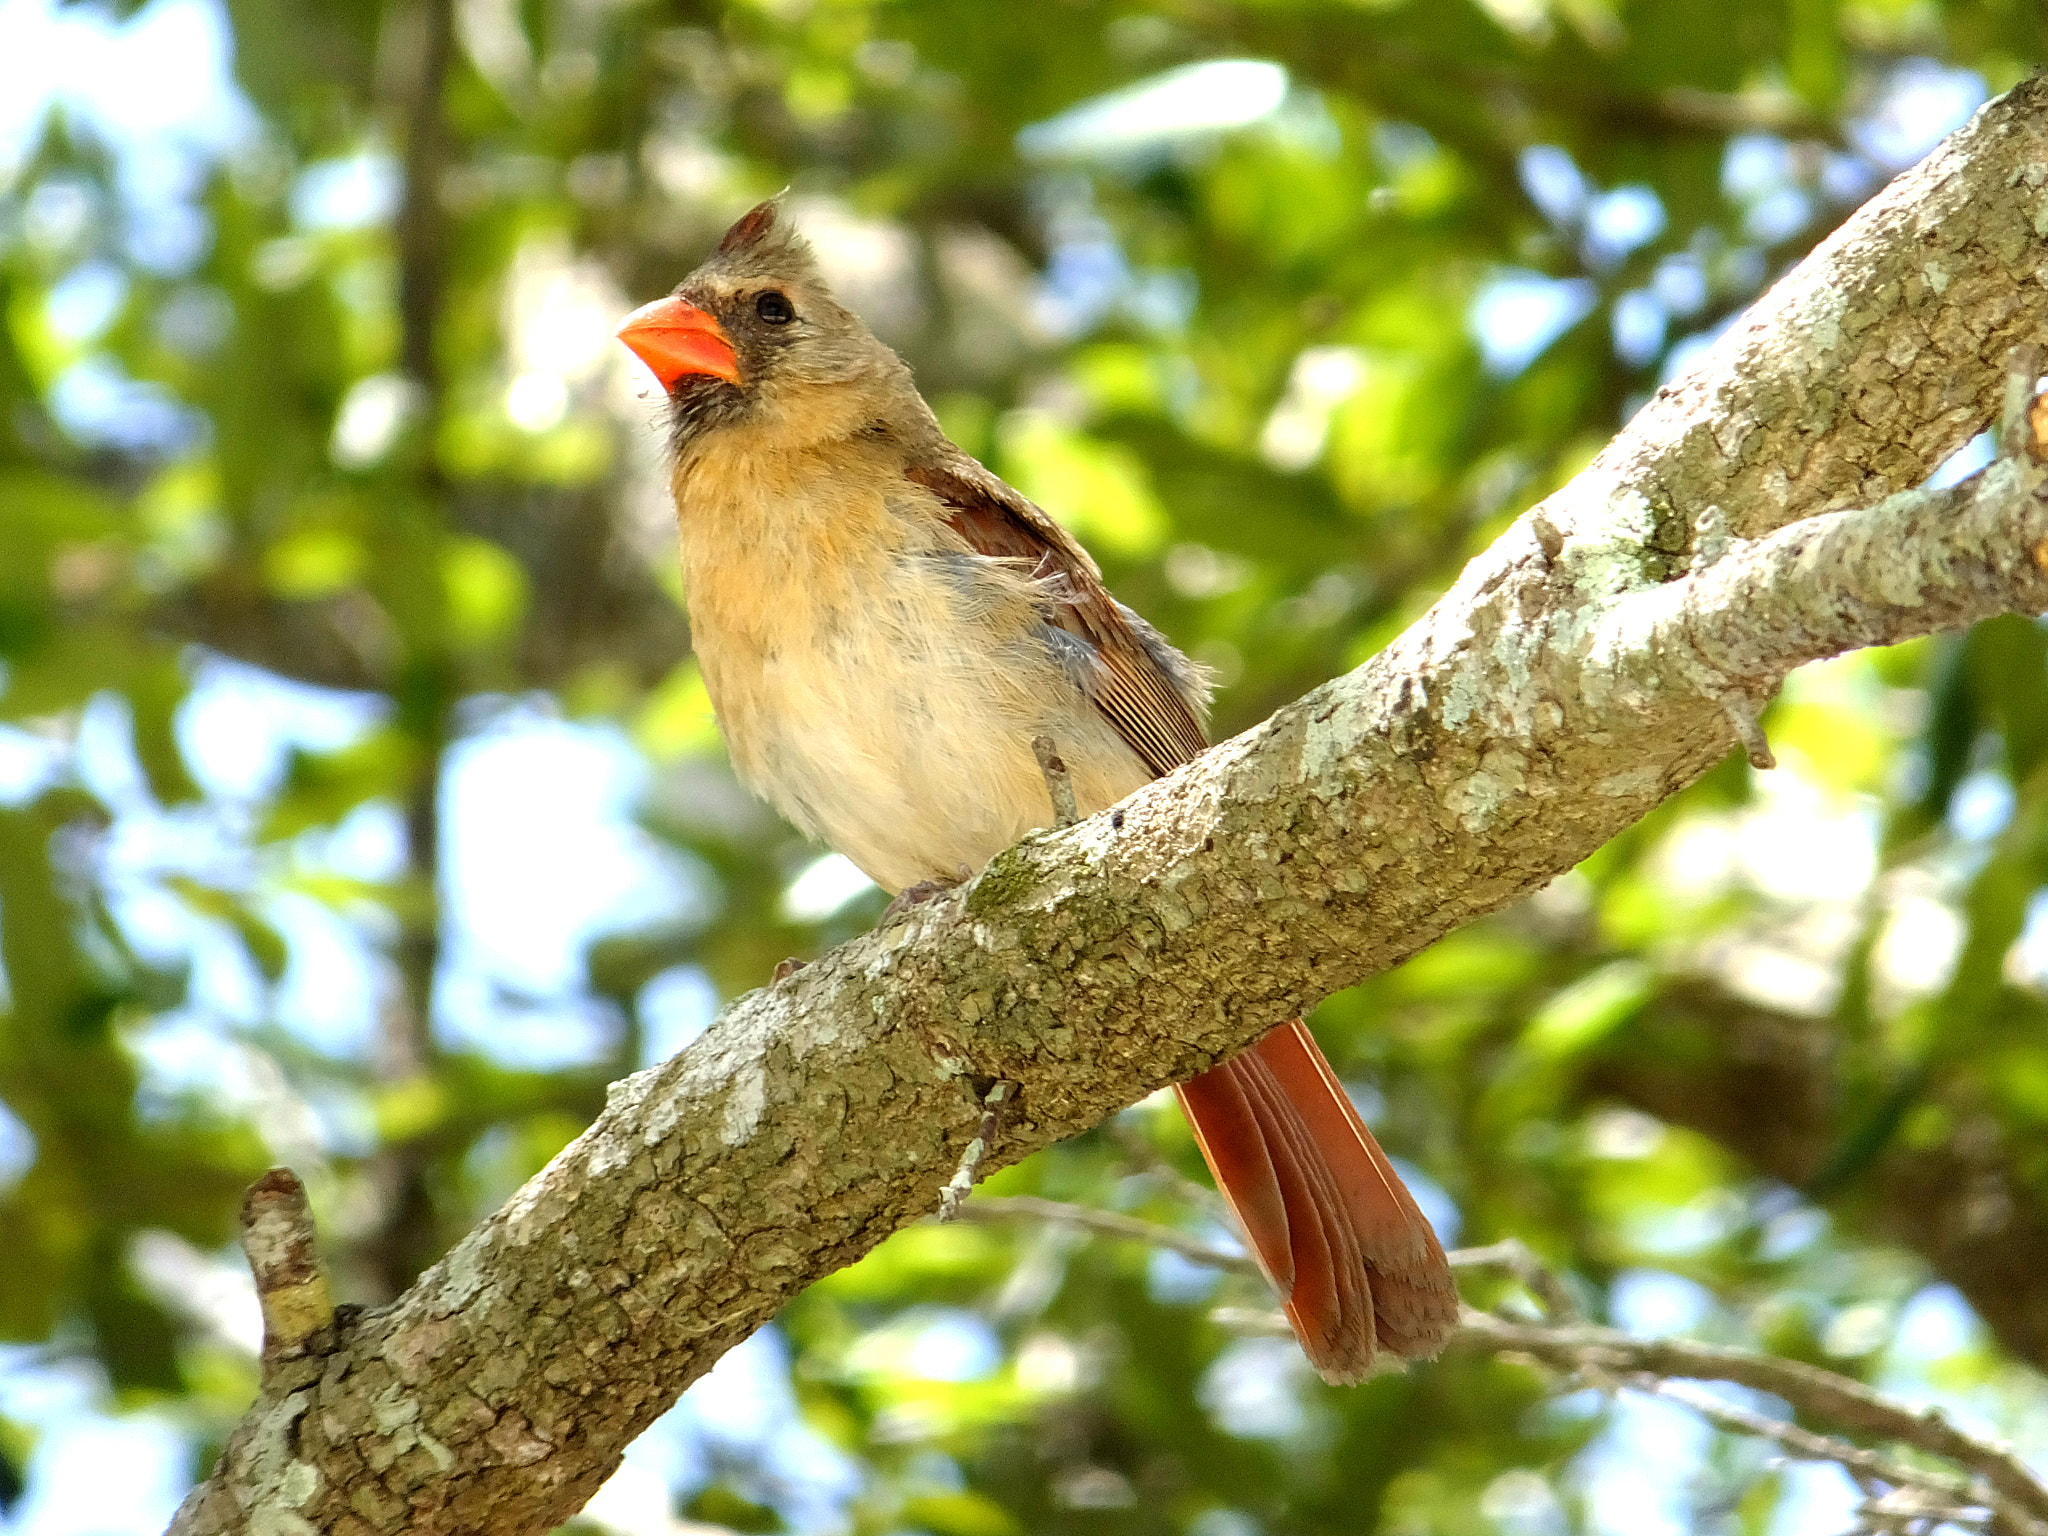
<point>1264,1322</point>
<point>1511,1254</point>
<point>1536,1277</point>
<point>1152,1164</point>
<point>1810,1446</point>
<point>1003,1208</point>
<point>2008,1484</point>
<point>1997,1480</point>
<point>1915,1511</point>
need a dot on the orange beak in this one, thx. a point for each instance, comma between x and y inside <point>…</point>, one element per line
<point>674,339</point>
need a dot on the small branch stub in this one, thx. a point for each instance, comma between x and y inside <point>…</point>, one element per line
<point>954,1195</point>
<point>1710,539</point>
<point>1755,745</point>
<point>1059,784</point>
<point>284,1256</point>
<point>2019,418</point>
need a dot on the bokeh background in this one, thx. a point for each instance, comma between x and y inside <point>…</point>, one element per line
<point>361,808</point>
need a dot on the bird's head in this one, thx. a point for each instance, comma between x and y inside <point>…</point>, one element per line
<point>754,337</point>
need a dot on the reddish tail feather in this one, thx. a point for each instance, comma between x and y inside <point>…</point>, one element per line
<point>1355,1262</point>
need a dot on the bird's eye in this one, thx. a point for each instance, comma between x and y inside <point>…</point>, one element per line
<point>774,308</point>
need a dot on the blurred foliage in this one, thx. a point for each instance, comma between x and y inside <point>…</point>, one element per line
<point>337,425</point>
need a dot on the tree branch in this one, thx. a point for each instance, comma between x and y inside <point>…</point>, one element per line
<point>1996,1477</point>
<point>1606,1358</point>
<point>1567,684</point>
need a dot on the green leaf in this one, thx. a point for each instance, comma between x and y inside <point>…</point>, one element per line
<point>721,1505</point>
<point>322,787</point>
<point>1589,1010</point>
<point>266,946</point>
<point>315,562</point>
<point>965,1513</point>
<point>1100,490</point>
<point>486,592</point>
<point>155,693</point>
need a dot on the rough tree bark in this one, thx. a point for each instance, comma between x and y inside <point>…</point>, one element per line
<point>1601,656</point>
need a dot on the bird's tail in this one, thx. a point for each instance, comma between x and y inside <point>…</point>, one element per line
<point>1354,1260</point>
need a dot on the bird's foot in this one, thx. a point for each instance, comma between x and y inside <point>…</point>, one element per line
<point>914,895</point>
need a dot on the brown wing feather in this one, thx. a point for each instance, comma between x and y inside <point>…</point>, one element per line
<point>1136,695</point>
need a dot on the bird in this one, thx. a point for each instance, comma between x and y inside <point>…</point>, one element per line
<point>884,626</point>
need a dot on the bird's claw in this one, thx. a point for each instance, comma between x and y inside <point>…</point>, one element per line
<point>914,895</point>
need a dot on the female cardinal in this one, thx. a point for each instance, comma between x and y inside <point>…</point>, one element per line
<point>884,627</point>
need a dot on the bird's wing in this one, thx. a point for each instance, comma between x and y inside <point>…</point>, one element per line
<point>1353,1258</point>
<point>1139,693</point>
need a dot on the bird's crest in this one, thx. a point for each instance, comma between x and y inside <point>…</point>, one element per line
<point>763,243</point>
<point>751,225</point>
